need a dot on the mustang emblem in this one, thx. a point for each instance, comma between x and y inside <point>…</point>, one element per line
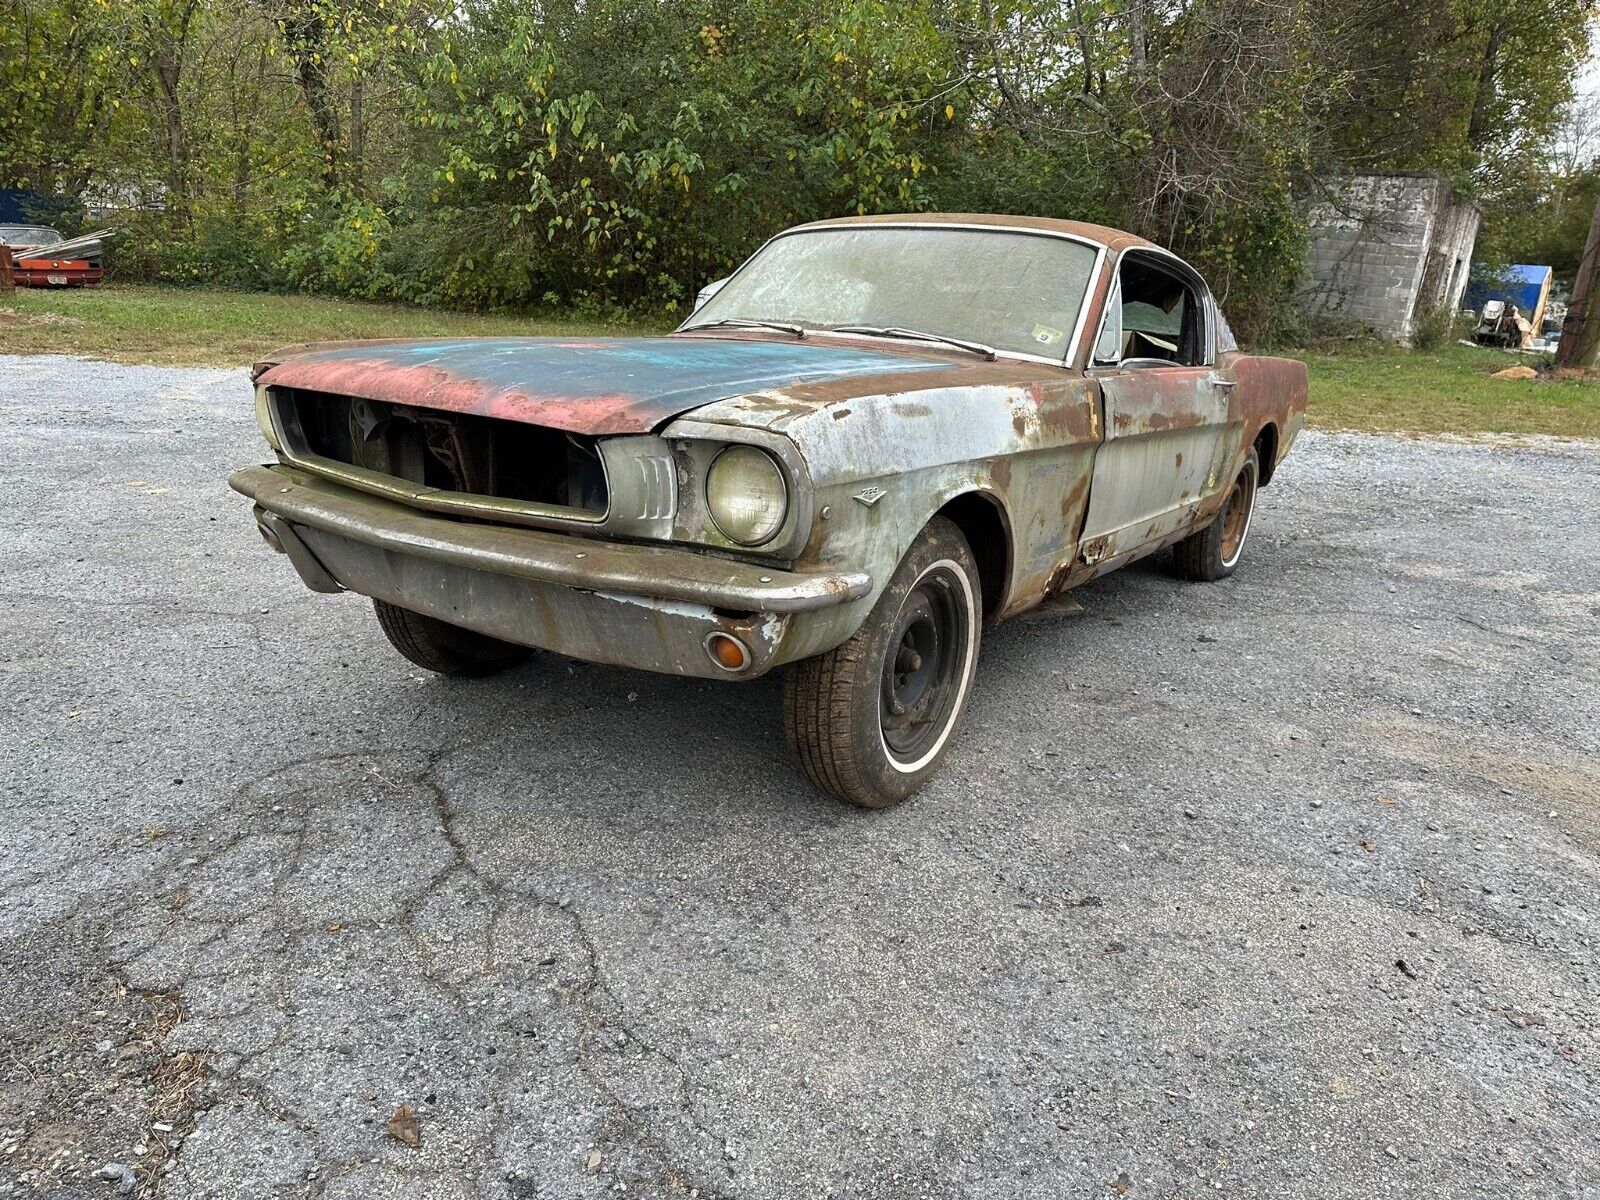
<point>871,495</point>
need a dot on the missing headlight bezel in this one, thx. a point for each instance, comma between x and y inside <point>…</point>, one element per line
<point>696,445</point>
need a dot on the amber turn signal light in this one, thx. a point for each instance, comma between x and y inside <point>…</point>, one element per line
<point>727,651</point>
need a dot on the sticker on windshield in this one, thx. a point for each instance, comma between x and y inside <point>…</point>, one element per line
<point>1046,336</point>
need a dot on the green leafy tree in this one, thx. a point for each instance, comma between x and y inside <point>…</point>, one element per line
<point>623,152</point>
<point>63,78</point>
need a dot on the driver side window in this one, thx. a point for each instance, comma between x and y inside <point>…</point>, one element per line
<point>1153,316</point>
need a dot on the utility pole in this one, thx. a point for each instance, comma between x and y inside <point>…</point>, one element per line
<point>1580,332</point>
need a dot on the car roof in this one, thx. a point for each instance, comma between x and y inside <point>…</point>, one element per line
<point>1113,239</point>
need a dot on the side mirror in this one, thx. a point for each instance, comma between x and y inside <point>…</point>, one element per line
<point>710,290</point>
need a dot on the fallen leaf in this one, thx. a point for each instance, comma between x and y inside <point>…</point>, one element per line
<point>1122,1185</point>
<point>1368,847</point>
<point>334,926</point>
<point>404,1127</point>
<point>593,1164</point>
<point>1386,800</point>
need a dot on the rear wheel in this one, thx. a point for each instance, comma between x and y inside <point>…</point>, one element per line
<point>1214,552</point>
<point>870,721</point>
<point>445,648</point>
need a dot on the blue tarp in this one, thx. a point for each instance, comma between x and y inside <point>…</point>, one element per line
<point>18,207</point>
<point>1520,284</point>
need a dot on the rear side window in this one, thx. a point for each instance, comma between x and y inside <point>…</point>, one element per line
<point>1226,342</point>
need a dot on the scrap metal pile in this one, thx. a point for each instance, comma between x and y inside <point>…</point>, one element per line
<point>56,262</point>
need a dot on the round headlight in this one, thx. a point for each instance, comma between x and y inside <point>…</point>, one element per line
<point>746,495</point>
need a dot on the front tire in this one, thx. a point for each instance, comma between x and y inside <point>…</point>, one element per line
<point>870,721</point>
<point>1215,551</point>
<point>444,648</point>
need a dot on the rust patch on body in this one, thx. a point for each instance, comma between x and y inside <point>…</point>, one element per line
<point>1072,500</point>
<point>433,387</point>
<point>596,386</point>
<point>1113,239</point>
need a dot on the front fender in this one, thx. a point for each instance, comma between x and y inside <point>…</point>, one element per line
<point>882,466</point>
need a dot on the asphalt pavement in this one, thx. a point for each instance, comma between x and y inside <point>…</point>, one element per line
<point>1285,886</point>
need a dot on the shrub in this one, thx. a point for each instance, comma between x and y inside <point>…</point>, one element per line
<point>1436,325</point>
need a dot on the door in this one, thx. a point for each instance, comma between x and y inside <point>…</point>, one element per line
<point>1165,408</point>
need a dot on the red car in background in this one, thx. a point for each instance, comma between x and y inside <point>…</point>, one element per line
<point>41,257</point>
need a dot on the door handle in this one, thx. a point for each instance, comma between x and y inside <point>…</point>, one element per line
<point>1226,385</point>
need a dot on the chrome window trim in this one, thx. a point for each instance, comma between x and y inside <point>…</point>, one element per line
<point>1144,363</point>
<point>1207,307</point>
<point>1066,360</point>
<point>1113,301</point>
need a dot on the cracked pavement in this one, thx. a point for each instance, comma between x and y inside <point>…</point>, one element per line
<point>1280,887</point>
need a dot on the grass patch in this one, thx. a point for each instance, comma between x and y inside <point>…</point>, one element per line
<point>139,324</point>
<point>1374,386</point>
<point>1358,385</point>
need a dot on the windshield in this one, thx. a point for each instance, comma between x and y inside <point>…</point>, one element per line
<point>1014,291</point>
<point>28,235</point>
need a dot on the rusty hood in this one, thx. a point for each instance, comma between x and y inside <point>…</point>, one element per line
<point>591,386</point>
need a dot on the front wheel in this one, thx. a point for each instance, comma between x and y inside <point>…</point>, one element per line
<point>870,721</point>
<point>445,648</point>
<point>1214,552</point>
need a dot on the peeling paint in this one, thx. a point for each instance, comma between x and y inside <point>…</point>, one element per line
<point>677,608</point>
<point>599,386</point>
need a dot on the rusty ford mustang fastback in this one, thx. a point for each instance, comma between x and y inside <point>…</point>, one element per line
<point>875,437</point>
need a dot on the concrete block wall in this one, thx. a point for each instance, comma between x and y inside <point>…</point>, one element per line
<point>1450,254</point>
<point>1385,248</point>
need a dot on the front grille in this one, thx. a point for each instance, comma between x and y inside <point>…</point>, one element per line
<point>453,452</point>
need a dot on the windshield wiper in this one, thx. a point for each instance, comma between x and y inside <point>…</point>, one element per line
<point>799,331</point>
<point>897,331</point>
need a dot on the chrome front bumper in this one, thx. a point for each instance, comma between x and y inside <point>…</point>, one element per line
<point>651,607</point>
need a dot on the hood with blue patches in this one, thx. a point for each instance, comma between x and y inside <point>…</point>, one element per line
<point>592,385</point>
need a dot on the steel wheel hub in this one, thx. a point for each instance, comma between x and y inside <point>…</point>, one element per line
<point>923,666</point>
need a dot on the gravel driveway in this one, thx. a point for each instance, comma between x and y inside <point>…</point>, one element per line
<point>1285,886</point>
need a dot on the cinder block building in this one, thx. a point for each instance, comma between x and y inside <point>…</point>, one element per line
<point>1387,248</point>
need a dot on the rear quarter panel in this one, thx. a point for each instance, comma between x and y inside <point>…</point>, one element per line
<point>1270,392</point>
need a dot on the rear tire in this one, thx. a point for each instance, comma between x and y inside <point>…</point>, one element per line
<point>1215,551</point>
<point>447,649</point>
<point>869,722</point>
